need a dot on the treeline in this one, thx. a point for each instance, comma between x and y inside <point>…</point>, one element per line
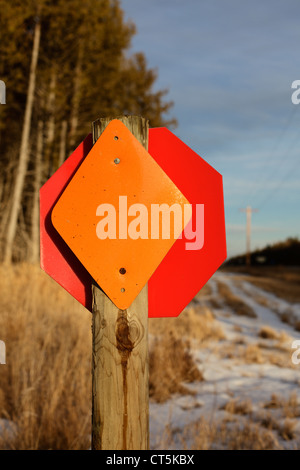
<point>286,253</point>
<point>64,65</point>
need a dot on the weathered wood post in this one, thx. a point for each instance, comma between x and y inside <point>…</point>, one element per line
<point>120,383</point>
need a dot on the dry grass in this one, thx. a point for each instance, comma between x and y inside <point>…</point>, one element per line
<point>243,353</point>
<point>215,304</point>
<point>274,402</point>
<point>242,428</point>
<point>250,437</point>
<point>287,430</point>
<point>178,367</point>
<point>234,302</point>
<point>289,410</point>
<point>266,332</point>
<point>204,292</point>
<point>45,384</point>
<point>275,287</point>
<point>205,435</point>
<point>257,353</point>
<point>248,431</point>
<point>279,340</point>
<point>237,329</point>
<point>281,288</point>
<point>290,406</point>
<point>283,281</point>
<point>253,354</point>
<point>268,421</point>
<point>206,296</point>
<point>238,407</point>
<point>288,316</point>
<point>171,347</point>
<point>196,323</point>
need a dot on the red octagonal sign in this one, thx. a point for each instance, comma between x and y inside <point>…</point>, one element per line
<point>194,257</point>
<point>57,259</point>
<point>192,260</point>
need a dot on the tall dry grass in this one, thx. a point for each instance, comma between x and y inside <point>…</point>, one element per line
<point>46,382</point>
<point>171,364</point>
<point>172,346</point>
<point>45,386</point>
<point>209,434</point>
<point>196,323</point>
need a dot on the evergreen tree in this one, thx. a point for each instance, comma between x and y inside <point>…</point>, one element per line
<point>83,73</point>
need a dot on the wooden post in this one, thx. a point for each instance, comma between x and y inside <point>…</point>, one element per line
<point>120,383</point>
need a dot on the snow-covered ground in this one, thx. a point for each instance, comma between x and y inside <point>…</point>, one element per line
<point>7,431</point>
<point>243,367</point>
<point>266,315</point>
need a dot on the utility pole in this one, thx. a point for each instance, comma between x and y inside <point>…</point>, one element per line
<point>248,211</point>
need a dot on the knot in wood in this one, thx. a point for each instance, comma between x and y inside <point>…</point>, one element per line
<point>124,343</point>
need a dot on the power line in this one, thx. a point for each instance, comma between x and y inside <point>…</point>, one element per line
<point>279,185</point>
<point>278,168</point>
<point>270,155</point>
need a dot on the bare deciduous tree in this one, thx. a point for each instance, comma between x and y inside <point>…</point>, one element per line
<point>23,156</point>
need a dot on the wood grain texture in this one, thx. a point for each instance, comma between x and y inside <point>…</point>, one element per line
<point>120,371</point>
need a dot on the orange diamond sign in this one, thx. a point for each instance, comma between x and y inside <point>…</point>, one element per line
<point>120,214</point>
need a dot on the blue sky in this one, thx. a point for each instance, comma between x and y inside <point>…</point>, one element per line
<point>229,66</point>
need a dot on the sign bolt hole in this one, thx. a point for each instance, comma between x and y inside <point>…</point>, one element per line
<point>122,270</point>
<point>116,161</point>
<point>116,137</point>
<point>122,290</point>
